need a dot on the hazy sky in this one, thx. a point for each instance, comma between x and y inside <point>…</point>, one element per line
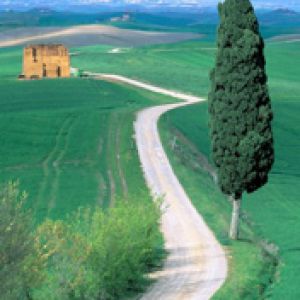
<point>293,4</point>
<point>257,3</point>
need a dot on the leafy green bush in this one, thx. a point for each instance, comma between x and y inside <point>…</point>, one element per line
<point>99,255</point>
<point>93,254</point>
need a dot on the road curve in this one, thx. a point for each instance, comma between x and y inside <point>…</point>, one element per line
<point>196,266</point>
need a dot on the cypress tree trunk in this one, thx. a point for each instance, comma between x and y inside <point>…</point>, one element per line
<point>235,218</point>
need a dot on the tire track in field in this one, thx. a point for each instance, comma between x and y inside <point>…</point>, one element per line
<point>102,187</point>
<point>65,137</point>
<point>112,188</point>
<point>117,181</point>
<point>110,160</point>
<point>47,164</point>
<point>120,169</point>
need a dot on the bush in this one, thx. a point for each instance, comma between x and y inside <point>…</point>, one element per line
<point>91,255</point>
<point>99,255</point>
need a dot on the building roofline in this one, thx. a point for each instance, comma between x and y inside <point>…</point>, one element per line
<point>44,45</point>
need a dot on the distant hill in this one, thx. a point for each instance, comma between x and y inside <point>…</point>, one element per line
<point>284,12</point>
<point>280,16</point>
<point>137,20</point>
<point>47,17</point>
<point>280,21</point>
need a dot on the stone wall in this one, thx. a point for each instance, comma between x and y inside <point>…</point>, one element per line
<point>46,61</point>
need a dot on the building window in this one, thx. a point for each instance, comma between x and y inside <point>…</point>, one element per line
<point>44,70</point>
<point>34,55</point>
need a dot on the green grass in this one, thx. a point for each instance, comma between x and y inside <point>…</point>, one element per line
<point>273,211</point>
<point>69,142</point>
<point>182,66</point>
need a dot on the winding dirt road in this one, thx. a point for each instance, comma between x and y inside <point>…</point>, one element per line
<point>196,266</point>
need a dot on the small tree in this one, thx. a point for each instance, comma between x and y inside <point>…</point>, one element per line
<point>20,264</point>
<point>240,107</point>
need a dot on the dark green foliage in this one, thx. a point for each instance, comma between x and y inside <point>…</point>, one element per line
<point>239,102</point>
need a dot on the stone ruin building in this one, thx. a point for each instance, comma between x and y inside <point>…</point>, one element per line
<point>46,61</point>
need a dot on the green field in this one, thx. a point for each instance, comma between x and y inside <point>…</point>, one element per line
<point>164,65</point>
<point>69,142</point>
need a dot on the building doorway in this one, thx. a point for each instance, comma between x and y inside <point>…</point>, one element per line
<point>58,71</point>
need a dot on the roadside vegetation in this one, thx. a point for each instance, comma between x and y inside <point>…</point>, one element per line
<point>91,254</point>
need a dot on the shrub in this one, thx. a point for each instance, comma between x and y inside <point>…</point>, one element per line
<point>99,255</point>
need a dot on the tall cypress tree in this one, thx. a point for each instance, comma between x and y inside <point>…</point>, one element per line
<point>240,106</point>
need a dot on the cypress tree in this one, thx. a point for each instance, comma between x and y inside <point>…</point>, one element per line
<point>240,107</point>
